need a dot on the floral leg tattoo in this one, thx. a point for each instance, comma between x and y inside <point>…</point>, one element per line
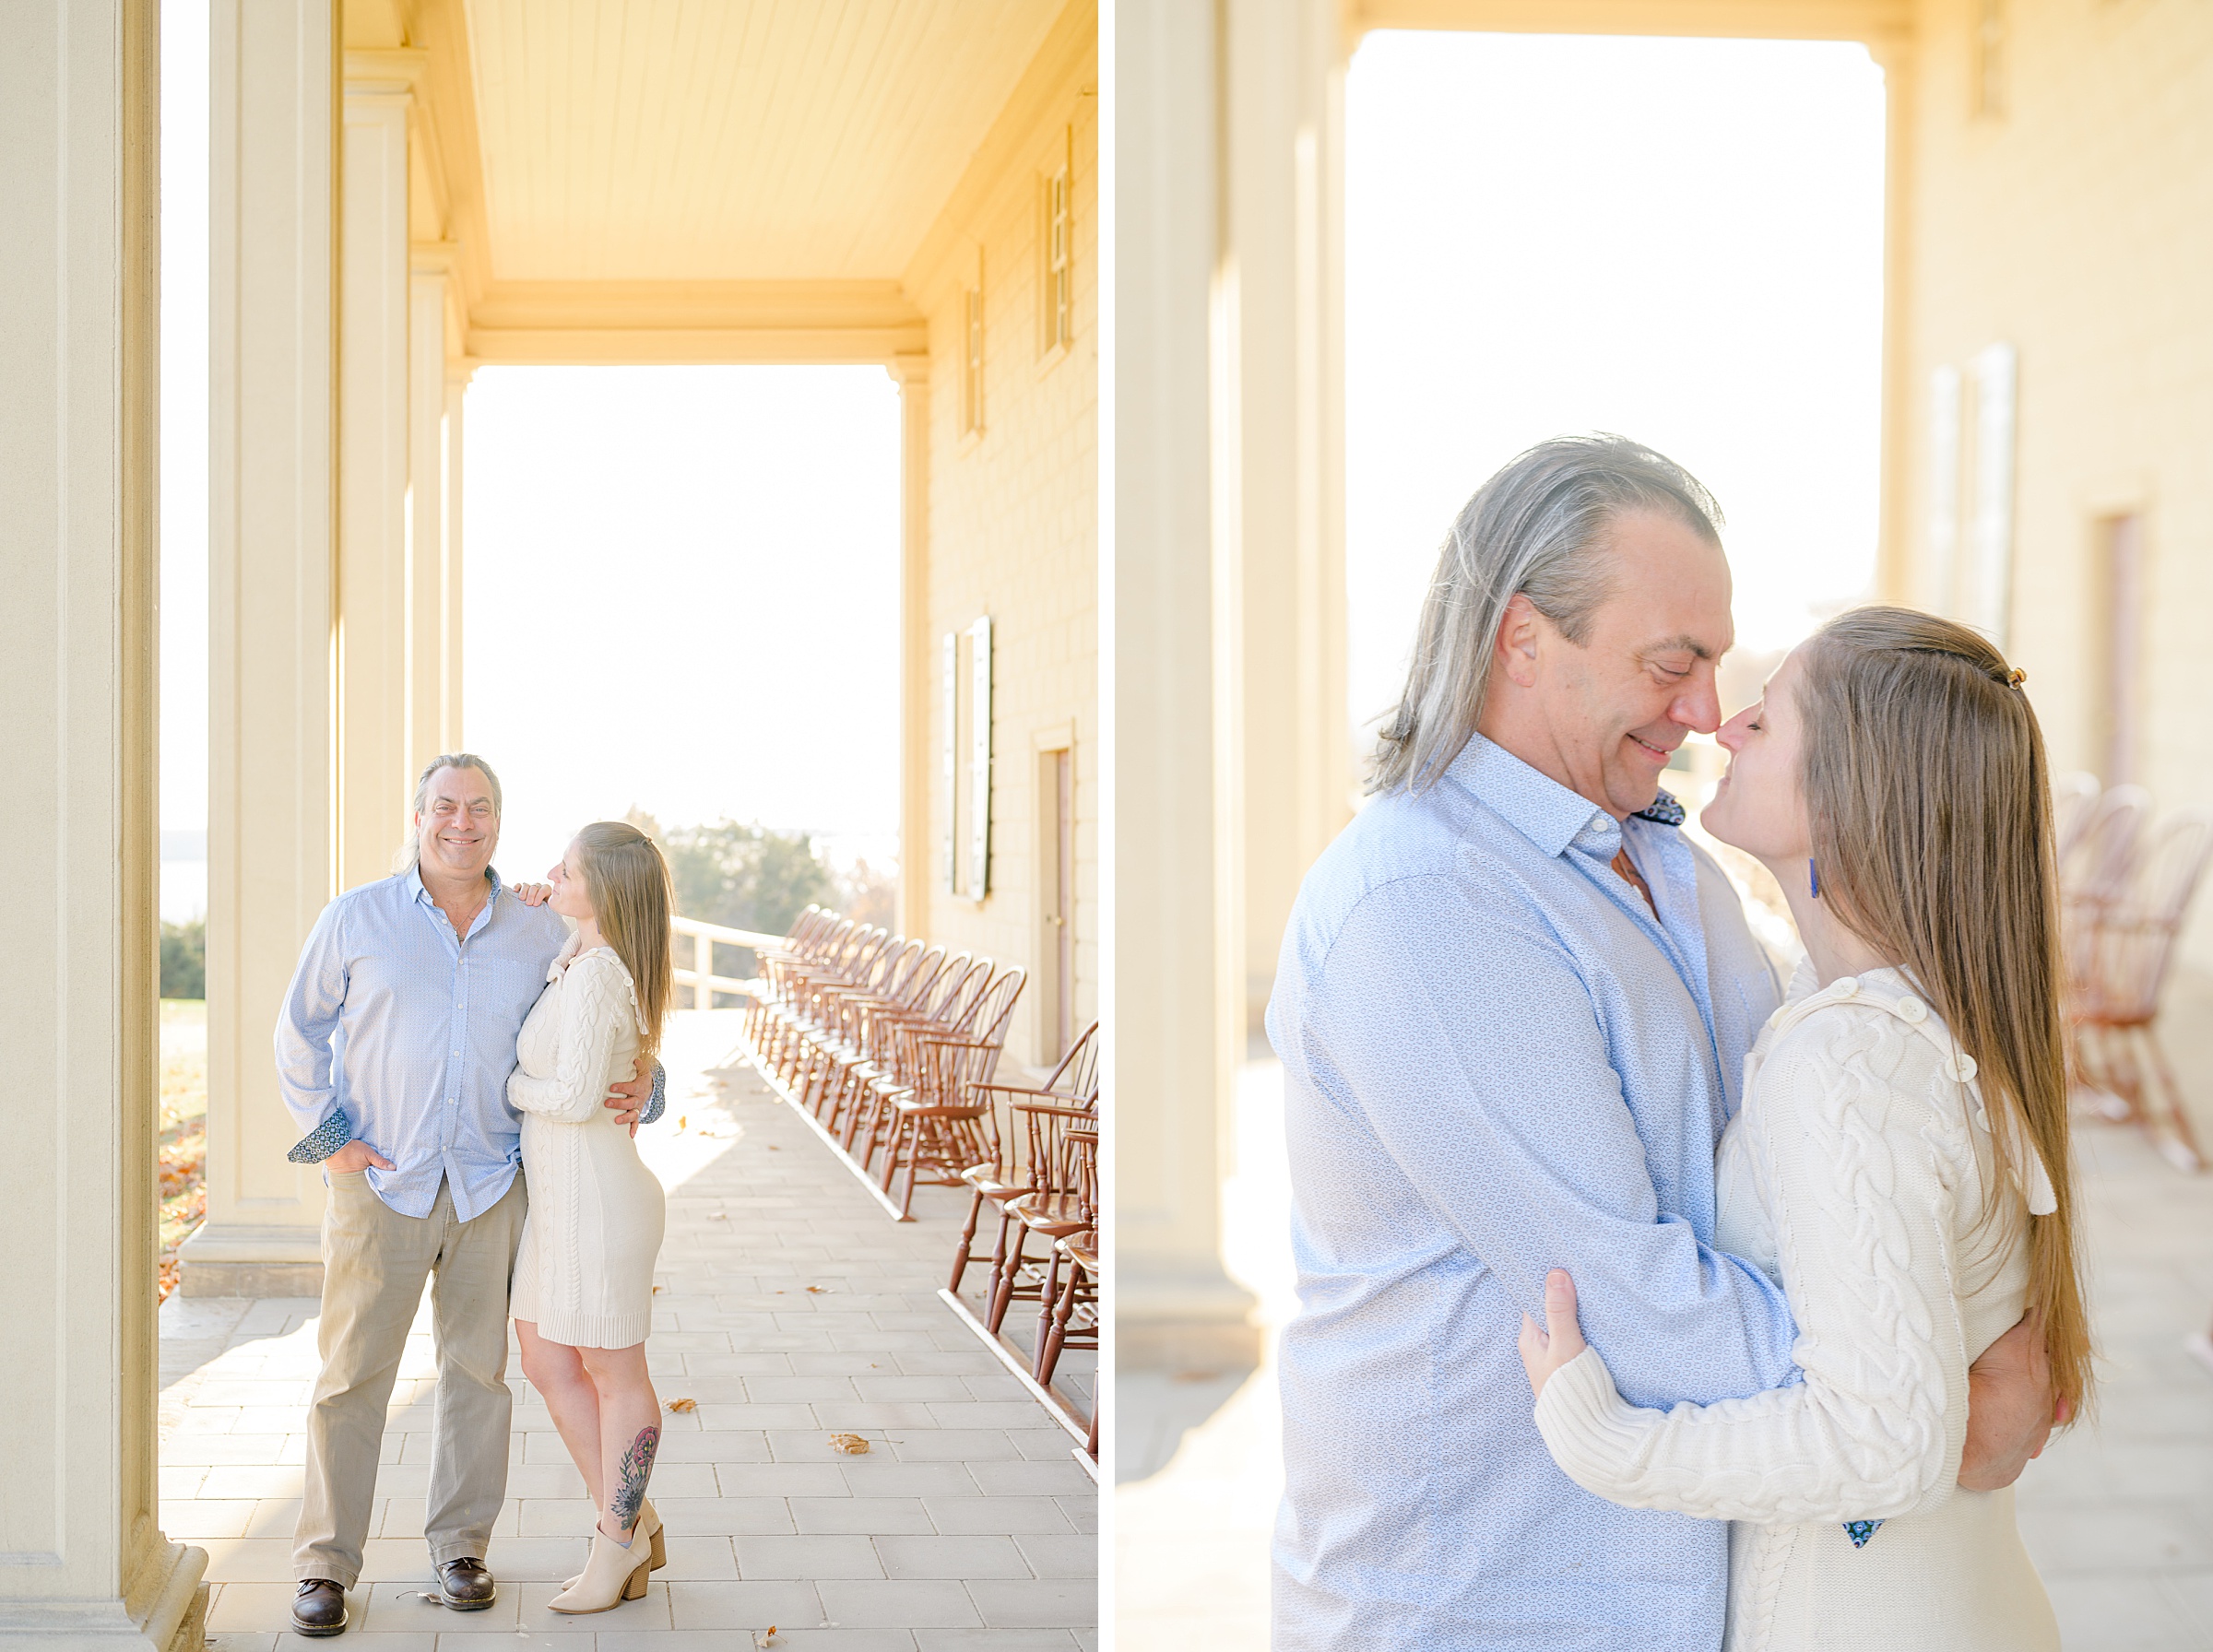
<point>636,1469</point>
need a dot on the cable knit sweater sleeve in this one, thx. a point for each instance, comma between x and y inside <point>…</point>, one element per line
<point>594,1000</point>
<point>1862,1171</point>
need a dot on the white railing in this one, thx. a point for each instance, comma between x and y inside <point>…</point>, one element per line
<point>701,977</point>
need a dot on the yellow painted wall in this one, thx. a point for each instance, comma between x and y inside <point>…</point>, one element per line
<point>2075,226</point>
<point>1014,512</point>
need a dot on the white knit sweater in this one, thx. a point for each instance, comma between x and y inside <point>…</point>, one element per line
<point>584,1275</point>
<point>1857,1175</point>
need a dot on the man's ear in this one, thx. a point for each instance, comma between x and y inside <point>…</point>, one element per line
<point>1520,629</point>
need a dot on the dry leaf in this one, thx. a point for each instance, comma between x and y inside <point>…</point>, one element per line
<point>774,1148</point>
<point>851,1444</point>
<point>681,1121</point>
<point>683,1405</point>
<point>818,1290</point>
<point>659,1289</point>
<point>765,1636</point>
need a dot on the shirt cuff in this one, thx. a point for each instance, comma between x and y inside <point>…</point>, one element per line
<point>322,1142</point>
<point>660,1095</point>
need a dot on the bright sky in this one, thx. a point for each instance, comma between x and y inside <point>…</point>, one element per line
<point>1680,240</point>
<point>682,592</point>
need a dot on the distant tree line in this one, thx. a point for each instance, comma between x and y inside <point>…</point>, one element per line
<point>185,959</point>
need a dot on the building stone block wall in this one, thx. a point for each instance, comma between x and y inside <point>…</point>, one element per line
<point>1012,516</point>
<point>2068,219</point>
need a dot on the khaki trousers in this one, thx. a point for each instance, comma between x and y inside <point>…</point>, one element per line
<point>374,1263</point>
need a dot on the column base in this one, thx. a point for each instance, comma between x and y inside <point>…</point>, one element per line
<point>1178,1322</point>
<point>171,1614</point>
<point>235,1260</point>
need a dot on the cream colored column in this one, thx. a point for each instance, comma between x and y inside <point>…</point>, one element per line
<point>917,654</point>
<point>431,715</point>
<point>272,825</point>
<point>1281,452</point>
<point>83,1563</point>
<point>373,572</point>
<point>456,394</point>
<point>1904,389</point>
<point>1169,649</point>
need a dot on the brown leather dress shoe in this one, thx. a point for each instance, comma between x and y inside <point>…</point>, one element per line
<point>319,1608</point>
<point>464,1585</point>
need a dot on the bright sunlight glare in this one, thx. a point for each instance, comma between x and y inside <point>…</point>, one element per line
<point>1677,239</point>
<point>681,586</point>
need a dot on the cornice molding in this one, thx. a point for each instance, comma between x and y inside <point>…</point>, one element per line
<point>1869,21</point>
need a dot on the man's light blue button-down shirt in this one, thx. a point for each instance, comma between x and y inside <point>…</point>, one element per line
<point>409,1030</point>
<point>1498,1060</point>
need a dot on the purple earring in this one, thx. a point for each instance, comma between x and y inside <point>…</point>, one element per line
<point>1812,877</point>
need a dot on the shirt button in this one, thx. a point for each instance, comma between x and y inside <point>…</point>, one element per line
<point>1912,1011</point>
<point>1847,988</point>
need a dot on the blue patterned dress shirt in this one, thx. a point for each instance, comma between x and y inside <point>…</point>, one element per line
<point>1498,1061</point>
<point>398,1033</point>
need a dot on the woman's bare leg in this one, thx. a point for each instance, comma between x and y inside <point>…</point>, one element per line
<point>572,1397</point>
<point>630,1433</point>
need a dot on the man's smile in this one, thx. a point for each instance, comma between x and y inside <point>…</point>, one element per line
<point>1664,753</point>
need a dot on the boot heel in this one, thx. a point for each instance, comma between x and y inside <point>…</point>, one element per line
<point>660,1550</point>
<point>635,1588</point>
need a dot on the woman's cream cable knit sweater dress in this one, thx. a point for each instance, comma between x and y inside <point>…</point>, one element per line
<point>584,1275</point>
<point>1857,1174</point>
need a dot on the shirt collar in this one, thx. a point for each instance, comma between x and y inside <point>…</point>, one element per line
<point>421,896</point>
<point>1536,804</point>
<point>1539,807</point>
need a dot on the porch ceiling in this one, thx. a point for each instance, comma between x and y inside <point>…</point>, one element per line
<point>731,140</point>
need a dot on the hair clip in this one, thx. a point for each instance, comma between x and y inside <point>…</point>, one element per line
<point>2018,678</point>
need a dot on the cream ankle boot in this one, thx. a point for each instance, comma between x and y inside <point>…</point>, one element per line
<point>612,1576</point>
<point>648,1527</point>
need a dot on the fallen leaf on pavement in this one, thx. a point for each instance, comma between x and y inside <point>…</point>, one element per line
<point>851,1444</point>
<point>818,1290</point>
<point>683,1405</point>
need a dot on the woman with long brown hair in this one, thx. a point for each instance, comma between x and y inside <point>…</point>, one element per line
<point>583,1296</point>
<point>1900,1163</point>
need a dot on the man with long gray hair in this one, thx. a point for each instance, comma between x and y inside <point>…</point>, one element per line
<point>393,1052</point>
<point>1512,1008</point>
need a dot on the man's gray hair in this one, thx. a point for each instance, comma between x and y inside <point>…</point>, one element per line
<point>411,851</point>
<point>1537,529</point>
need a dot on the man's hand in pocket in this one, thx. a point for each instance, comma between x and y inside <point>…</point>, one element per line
<point>356,1155</point>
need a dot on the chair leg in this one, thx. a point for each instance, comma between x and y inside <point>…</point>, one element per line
<point>1003,1295</point>
<point>1048,1303</point>
<point>902,1127</point>
<point>2181,1146</point>
<point>1053,1341</point>
<point>963,1257</point>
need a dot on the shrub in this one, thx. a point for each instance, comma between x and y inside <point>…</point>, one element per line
<point>185,959</point>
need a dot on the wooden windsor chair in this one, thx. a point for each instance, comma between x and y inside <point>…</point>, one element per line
<point>793,983</point>
<point>897,1071</point>
<point>1002,1175</point>
<point>2074,797</point>
<point>771,964</point>
<point>938,1005</point>
<point>1061,1203</point>
<point>936,1132</point>
<point>2114,1014</point>
<point>1068,1313</point>
<point>852,1063</point>
<point>838,1044</point>
<point>835,1006</point>
<point>810,1003</point>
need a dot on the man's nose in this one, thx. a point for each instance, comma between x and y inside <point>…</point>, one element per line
<point>1700,705</point>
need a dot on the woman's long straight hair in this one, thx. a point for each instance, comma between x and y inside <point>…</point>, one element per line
<point>1930,800</point>
<point>627,883</point>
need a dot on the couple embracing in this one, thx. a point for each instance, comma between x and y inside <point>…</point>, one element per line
<point>1789,1269</point>
<point>470,1070</point>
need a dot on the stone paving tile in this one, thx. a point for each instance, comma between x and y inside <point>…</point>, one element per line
<point>960,1530</point>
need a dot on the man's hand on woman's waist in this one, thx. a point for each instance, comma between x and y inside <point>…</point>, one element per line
<point>2010,1409</point>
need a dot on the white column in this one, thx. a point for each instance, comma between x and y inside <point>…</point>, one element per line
<point>432,560</point>
<point>83,1564</point>
<point>457,390</point>
<point>917,655</point>
<point>1281,453</point>
<point>374,617</point>
<point>1169,651</point>
<point>272,789</point>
